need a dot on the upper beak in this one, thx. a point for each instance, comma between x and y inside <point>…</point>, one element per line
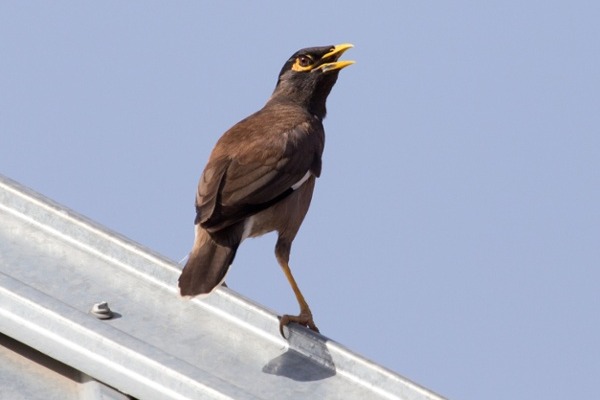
<point>333,55</point>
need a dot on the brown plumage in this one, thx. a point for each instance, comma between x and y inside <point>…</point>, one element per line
<point>261,174</point>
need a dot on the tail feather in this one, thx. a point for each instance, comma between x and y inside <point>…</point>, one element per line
<point>206,267</point>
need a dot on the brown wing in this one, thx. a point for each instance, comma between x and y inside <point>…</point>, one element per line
<point>255,164</point>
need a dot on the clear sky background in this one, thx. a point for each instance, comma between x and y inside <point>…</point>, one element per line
<point>454,236</point>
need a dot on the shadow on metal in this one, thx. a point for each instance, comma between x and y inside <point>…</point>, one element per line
<point>307,358</point>
<point>298,367</point>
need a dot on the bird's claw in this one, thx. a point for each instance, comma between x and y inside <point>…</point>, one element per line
<point>304,319</point>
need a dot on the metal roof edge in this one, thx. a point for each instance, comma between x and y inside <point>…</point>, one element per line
<point>148,266</point>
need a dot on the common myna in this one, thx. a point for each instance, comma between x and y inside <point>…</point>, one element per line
<point>261,174</point>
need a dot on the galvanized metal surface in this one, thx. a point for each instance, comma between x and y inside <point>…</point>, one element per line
<point>21,378</point>
<point>27,374</point>
<point>55,265</point>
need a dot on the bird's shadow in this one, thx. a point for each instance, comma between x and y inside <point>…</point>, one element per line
<point>299,367</point>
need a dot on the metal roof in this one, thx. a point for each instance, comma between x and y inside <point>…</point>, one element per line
<point>55,264</point>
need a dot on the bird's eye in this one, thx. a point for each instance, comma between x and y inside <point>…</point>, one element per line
<point>304,61</point>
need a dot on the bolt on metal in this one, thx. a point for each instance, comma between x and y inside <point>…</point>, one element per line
<point>101,310</point>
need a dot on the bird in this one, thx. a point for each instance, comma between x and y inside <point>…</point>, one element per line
<point>261,174</point>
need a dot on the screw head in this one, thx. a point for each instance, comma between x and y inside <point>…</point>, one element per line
<point>101,310</point>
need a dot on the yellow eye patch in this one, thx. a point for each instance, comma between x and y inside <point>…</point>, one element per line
<point>303,63</point>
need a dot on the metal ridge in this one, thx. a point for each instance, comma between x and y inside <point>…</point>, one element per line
<point>55,263</point>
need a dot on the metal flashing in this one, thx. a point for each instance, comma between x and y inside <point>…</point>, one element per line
<point>55,265</point>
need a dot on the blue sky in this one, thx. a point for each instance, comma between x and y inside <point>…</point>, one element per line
<point>454,235</point>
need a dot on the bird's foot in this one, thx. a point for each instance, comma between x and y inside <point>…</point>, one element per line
<point>305,319</point>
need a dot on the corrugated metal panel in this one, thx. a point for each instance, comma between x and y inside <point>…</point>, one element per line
<point>27,374</point>
<point>55,264</point>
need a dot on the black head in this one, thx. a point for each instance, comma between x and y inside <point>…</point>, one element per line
<point>308,76</point>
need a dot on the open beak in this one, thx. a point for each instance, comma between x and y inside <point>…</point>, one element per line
<point>330,60</point>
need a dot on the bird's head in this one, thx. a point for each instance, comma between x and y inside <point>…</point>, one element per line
<point>308,76</point>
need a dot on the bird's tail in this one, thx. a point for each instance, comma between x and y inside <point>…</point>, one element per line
<point>206,267</point>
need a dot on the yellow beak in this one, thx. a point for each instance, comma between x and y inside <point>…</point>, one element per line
<point>334,54</point>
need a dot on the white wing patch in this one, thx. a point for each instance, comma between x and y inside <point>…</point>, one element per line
<point>248,224</point>
<point>296,185</point>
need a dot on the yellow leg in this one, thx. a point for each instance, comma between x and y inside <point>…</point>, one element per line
<point>305,317</point>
